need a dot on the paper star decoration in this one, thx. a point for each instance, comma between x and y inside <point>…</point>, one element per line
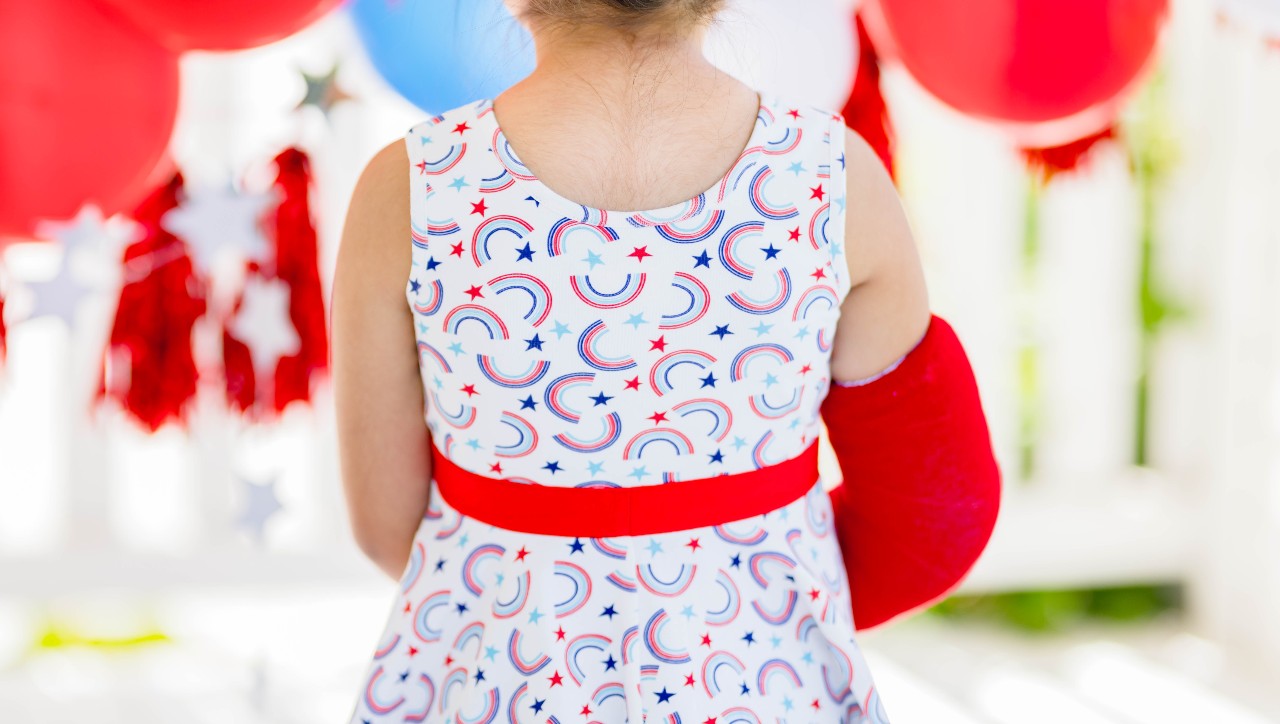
<point>260,504</point>
<point>93,244</point>
<point>59,296</point>
<point>263,323</point>
<point>322,91</point>
<point>221,226</point>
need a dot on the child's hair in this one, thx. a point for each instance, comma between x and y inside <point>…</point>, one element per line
<point>622,14</point>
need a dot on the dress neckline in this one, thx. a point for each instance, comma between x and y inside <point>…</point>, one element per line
<point>510,160</point>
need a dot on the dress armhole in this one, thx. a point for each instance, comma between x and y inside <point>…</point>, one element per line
<point>838,220</point>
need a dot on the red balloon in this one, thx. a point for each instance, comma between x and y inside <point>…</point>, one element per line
<point>222,24</point>
<point>1024,61</point>
<point>88,106</point>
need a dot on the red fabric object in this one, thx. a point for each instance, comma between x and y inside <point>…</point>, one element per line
<point>68,64</point>
<point>3,332</point>
<point>149,360</point>
<point>865,112</point>
<point>604,512</point>
<point>1025,61</point>
<point>221,24</point>
<point>237,368</point>
<point>296,263</point>
<point>921,486</point>
<point>1049,162</point>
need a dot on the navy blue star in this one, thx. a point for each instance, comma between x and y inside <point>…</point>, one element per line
<point>750,638</point>
<point>664,694</point>
<point>600,399</point>
<point>610,663</point>
<point>702,260</point>
<point>709,380</point>
<point>745,690</point>
<point>432,263</point>
<point>535,201</point>
<point>736,561</point>
<point>717,457</point>
<point>575,546</point>
<point>537,705</point>
<point>415,285</point>
<point>461,607</point>
<point>525,253</point>
<point>404,676</point>
<point>440,565</point>
<point>552,466</point>
<point>479,674</point>
<point>528,403</point>
<point>535,342</point>
<point>608,611</point>
<point>770,252</point>
<point>721,330</point>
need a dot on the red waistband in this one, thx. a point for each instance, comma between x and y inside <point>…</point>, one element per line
<point>640,510</point>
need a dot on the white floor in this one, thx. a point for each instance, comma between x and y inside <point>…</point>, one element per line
<point>262,658</point>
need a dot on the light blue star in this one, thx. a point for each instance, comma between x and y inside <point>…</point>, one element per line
<point>594,467</point>
<point>490,652</point>
<point>593,259</point>
<point>802,332</point>
<point>654,546</point>
<point>840,202</point>
<point>738,443</point>
<point>456,348</point>
<point>501,576</point>
<point>808,658</point>
<point>435,380</point>
<point>776,641</point>
<point>560,330</point>
<point>795,421</point>
<point>462,541</point>
<point>636,320</point>
<point>459,183</point>
<point>786,702</point>
<point>762,328</point>
<point>534,616</point>
<point>422,327</point>
<point>836,249</point>
<point>770,380</point>
<point>473,443</point>
<point>687,612</point>
<point>638,473</point>
<point>797,168</point>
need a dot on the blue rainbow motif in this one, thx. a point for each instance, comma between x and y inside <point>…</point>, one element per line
<point>419,236</point>
<point>442,164</point>
<point>565,231</point>
<point>462,419</point>
<point>514,605</point>
<point>732,601</point>
<point>760,451</point>
<point>491,323</point>
<point>638,442</point>
<point>629,639</point>
<point>558,391</point>
<point>503,224</point>
<point>576,646</point>
<point>428,689</point>
<point>516,704</point>
<point>739,715</point>
<point>820,296</point>
<point>762,407</point>
<point>525,665</point>
<point>772,302</point>
<point>767,565</point>
<point>588,350</point>
<point>753,535</point>
<point>421,619</point>
<point>699,302</point>
<point>473,631</point>
<point>779,614</point>
<point>805,626</point>
<point>789,141</point>
<point>434,297</point>
<point>715,666</point>
<point>818,225</point>
<point>580,591</point>
<point>376,703</point>
<point>612,430</point>
<point>678,584</point>
<point>535,370</point>
<point>440,227</point>
<point>771,671</point>
<point>486,553</point>
<point>526,437</point>
<point>664,652</point>
<point>838,678</point>
<point>387,647</point>
<point>485,713</point>
<point>751,356</point>
<point>625,294</point>
<point>720,414</point>
<point>696,227</point>
<point>760,201</point>
<point>416,557</point>
<point>507,157</point>
<point>494,184</point>
<point>606,691</point>
<point>538,291</point>
<point>660,373</point>
<point>737,244</point>
<point>612,547</point>
<point>622,581</point>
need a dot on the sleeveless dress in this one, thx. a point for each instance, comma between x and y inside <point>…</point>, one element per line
<point>572,346</point>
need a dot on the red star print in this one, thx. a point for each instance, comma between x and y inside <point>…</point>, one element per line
<point>456,249</point>
<point>693,544</point>
<point>814,593</point>
<point>818,273</point>
<point>479,208</point>
<point>474,291</point>
<point>413,651</point>
<point>805,369</point>
<point>556,678</point>
<point>448,659</point>
<point>816,705</point>
<point>470,390</point>
<point>585,709</point>
<point>706,640</point>
<point>407,607</point>
<point>710,720</point>
<point>458,129</point>
<point>640,253</point>
<point>422,167</point>
<point>659,344</point>
<point>496,467</point>
<point>688,679</point>
<point>817,193</point>
<point>633,383</point>
<point>794,113</point>
<point>794,234</point>
<point>560,634</point>
<point>658,417</point>
<point>520,554</point>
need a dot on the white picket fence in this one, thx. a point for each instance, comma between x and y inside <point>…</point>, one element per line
<point>88,504</point>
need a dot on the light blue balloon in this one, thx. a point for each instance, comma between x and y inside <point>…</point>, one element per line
<point>441,54</point>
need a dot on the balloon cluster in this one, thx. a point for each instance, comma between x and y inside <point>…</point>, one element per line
<point>91,88</point>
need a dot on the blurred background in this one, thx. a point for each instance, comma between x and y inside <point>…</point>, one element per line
<point>1095,189</point>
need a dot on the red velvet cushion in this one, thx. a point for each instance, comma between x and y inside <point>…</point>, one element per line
<point>921,486</point>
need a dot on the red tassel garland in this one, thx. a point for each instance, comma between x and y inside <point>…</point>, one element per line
<point>865,112</point>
